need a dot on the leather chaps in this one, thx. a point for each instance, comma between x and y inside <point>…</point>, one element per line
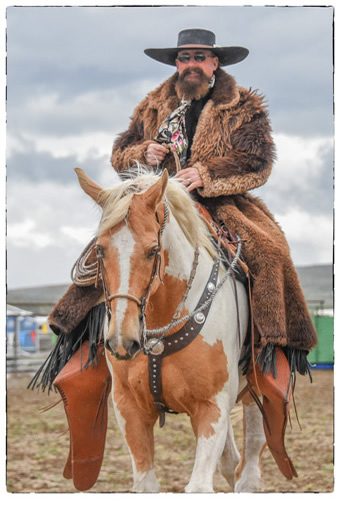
<point>85,395</point>
<point>276,393</point>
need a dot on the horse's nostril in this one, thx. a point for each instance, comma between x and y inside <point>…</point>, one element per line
<point>109,347</point>
<point>133,348</point>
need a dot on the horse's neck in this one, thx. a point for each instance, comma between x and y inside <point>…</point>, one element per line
<point>179,256</point>
<point>179,252</point>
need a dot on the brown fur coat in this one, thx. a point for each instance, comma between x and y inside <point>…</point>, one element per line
<point>233,152</point>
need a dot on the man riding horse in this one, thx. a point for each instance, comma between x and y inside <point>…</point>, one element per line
<point>222,135</point>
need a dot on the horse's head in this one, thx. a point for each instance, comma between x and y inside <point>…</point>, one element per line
<point>130,255</point>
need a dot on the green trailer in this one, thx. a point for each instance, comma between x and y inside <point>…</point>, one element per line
<point>323,354</point>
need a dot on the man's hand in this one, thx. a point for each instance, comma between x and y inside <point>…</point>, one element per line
<point>155,154</point>
<point>190,178</point>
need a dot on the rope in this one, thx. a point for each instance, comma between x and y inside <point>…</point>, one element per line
<point>82,273</point>
<point>190,281</point>
<point>175,156</point>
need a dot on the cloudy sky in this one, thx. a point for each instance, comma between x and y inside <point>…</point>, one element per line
<point>74,76</point>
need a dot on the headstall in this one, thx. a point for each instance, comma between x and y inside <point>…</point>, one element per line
<point>156,271</point>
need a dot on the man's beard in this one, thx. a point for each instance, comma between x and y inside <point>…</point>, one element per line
<point>192,90</point>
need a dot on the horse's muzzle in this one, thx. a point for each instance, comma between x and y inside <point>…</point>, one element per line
<point>127,350</point>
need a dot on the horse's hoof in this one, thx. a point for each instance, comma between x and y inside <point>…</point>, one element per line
<point>249,481</point>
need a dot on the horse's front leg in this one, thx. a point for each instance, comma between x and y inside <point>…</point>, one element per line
<point>210,425</point>
<point>137,429</point>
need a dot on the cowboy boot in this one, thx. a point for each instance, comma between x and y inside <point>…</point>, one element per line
<point>85,393</point>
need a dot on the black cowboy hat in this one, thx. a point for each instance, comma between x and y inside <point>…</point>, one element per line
<point>199,38</point>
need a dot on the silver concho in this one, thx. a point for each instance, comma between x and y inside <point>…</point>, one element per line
<point>154,346</point>
<point>199,318</point>
<point>211,287</point>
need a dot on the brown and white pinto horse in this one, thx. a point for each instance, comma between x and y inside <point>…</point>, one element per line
<point>144,217</point>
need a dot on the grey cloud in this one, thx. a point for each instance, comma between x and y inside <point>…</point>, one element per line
<point>314,195</point>
<point>43,167</point>
<point>302,120</point>
<point>74,50</point>
<point>46,266</point>
<point>71,51</point>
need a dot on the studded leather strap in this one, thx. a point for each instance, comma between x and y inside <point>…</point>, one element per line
<point>173,343</point>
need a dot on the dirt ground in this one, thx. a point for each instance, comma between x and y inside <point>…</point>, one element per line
<point>37,445</point>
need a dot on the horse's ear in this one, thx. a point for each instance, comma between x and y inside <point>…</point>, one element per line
<point>154,194</point>
<point>89,186</point>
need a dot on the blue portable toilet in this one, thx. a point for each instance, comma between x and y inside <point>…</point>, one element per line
<point>28,328</point>
<point>10,329</point>
<point>20,329</point>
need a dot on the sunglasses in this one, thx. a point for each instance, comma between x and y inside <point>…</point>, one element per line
<point>197,57</point>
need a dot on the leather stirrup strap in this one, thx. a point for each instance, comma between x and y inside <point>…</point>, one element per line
<point>85,395</point>
<point>276,394</point>
<point>213,228</point>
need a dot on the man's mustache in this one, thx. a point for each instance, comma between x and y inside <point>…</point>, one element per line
<point>193,70</point>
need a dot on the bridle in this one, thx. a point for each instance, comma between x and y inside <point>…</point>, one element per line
<point>87,271</point>
<point>156,271</point>
<point>110,297</point>
<point>155,343</point>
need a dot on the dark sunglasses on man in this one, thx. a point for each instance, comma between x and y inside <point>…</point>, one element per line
<point>197,57</point>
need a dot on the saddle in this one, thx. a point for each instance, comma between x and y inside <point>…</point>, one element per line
<point>226,240</point>
<point>85,394</point>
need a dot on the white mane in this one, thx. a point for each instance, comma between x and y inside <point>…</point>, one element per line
<point>117,201</point>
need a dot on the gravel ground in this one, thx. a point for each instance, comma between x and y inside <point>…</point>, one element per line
<point>37,445</point>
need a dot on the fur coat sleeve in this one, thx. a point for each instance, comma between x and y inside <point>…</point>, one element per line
<point>131,145</point>
<point>232,147</point>
<point>239,153</point>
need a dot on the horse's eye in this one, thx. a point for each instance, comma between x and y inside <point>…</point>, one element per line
<point>152,251</point>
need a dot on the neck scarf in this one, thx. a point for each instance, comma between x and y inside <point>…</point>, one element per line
<point>172,130</point>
